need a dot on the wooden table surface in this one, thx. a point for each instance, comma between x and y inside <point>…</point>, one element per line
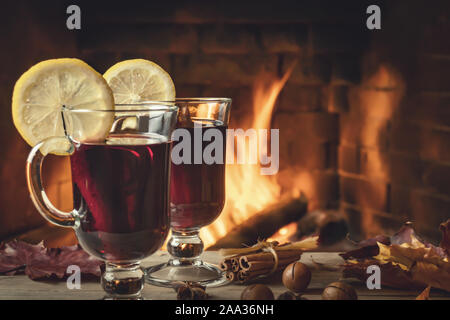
<point>21,287</point>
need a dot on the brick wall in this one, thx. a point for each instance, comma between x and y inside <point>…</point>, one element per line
<point>31,33</point>
<point>394,137</point>
<point>221,49</point>
<point>364,118</point>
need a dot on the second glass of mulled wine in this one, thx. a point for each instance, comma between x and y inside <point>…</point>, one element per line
<point>120,187</point>
<point>197,190</point>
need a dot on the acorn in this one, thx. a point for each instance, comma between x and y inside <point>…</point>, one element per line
<point>257,292</point>
<point>296,277</point>
<point>339,291</point>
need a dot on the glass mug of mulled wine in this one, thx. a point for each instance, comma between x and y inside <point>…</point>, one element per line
<point>120,187</point>
<point>197,190</point>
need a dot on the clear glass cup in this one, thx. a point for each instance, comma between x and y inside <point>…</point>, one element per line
<point>197,190</point>
<point>120,187</point>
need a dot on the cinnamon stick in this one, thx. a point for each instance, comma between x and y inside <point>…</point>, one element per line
<point>263,265</point>
<point>268,256</point>
<point>231,276</point>
<point>247,267</point>
<point>235,267</point>
<point>246,275</point>
<point>245,264</point>
<point>225,265</point>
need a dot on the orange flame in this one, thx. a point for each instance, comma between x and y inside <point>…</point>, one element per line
<point>284,234</point>
<point>247,191</point>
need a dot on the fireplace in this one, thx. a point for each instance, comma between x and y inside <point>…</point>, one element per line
<point>363,114</point>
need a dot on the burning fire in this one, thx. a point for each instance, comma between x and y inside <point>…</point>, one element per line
<point>284,234</point>
<point>247,191</point>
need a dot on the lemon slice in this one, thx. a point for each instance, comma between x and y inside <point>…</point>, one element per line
<point>139,80</point>
<point>40,93</point>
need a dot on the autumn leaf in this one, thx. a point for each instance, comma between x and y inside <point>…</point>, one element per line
<point>15,255</point>
<point>406,261</point>
<point>38,262</point>
<point>432,274</point>
<point>367,248</point>
<point>392,275</point>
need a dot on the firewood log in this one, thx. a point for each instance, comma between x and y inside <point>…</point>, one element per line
<point>265,223</point>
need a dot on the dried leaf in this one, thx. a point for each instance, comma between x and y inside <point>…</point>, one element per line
<point>392,275</point>
<point>38,262</point>
<point>406,234</point>
<point>367,248</point>
<point>425,295</point>
<point>437,276</point>
<point>15,256</point>
<point>407,262</point>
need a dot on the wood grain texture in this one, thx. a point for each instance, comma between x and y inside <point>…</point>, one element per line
<point>21,287</point>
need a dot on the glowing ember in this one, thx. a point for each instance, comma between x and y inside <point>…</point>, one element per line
<point>247,191</point>
<point>283,235</point>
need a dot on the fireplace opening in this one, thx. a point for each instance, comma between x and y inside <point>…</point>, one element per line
<point>363,115</point>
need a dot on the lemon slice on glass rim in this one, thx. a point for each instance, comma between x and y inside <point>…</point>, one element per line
<point>42,91</point>
<point>139,80</point>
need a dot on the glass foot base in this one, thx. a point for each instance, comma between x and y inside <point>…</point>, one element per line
<point>167,274</point>
<point>122,281</point>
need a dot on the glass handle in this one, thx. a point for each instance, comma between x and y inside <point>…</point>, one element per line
<point>58,145</point>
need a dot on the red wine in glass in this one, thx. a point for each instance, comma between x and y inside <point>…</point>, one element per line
<point>123,189</point>
<point>197,191</point>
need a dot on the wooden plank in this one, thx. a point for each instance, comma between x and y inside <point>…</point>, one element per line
<point>21,287</point>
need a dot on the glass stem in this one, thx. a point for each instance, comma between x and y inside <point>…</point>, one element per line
<point>185,247</point>
<point>123,280</point>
